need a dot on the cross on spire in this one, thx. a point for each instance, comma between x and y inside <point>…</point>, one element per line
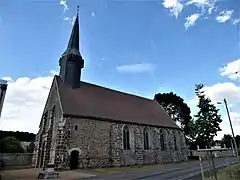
<point>78,9</point>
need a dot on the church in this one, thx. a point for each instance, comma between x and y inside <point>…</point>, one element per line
<point>84,125</point>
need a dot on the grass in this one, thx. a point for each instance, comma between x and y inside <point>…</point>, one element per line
<point>125,168</point>
<point>230,173</point>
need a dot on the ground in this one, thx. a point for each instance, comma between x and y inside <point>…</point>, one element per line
<point>32,173</point>
<point>232,172</point>
<point>186,170</point>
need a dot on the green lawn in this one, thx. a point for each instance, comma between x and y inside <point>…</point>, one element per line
<point>126,168</point>
<point>230,173</point>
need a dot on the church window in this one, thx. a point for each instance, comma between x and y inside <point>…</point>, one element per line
<point>126,139</point>
<point>162,143</point>
<point>76,127</point>
<point>175,142</point>
<point>146,139</point>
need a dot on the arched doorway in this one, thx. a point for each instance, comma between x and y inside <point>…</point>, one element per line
<point>74,159</point>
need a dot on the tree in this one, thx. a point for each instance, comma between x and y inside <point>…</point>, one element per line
<point>10,145</point>
<point>177,109</point>
<point>238,140</point>
<point>30,147</point>
<point>21,136</point>
<point>207,119</point>
<point>227,140</point>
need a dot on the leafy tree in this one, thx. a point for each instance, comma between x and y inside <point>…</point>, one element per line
<point>10,145</point>
<point>30,147</point>
<point>237,137</point>
<point>227,140</point>
<point>21,136</point>
<point>207,119</point>
<point>177,109</point>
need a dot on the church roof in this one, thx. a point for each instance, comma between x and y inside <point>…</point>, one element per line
<point>96,102</point>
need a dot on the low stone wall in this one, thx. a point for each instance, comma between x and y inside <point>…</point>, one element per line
<point>216,154</point>
<point>15,159</point>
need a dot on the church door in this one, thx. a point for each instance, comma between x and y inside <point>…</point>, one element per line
<point>74,159</point>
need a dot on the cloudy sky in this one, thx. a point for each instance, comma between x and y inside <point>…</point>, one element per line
<point>157,46</point>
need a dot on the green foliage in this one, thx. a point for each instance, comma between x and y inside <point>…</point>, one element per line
<point>21,136</point>
<point>238,140</point>
<point>230,173</point>
<point>176,108</point>
<point>10,145</point>
<point>207,119</point>
<point>30,147</point>
<point>227,140</point>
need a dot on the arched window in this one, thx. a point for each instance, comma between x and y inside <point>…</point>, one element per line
<point>162,143</point>
<point>146,138</point>
<point>126,139</point>
<point>175,142</point>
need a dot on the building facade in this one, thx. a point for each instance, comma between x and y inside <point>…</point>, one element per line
<point>87,126</point>
<point>3,89</point>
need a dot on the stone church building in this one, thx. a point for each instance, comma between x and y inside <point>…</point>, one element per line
<point>86,125</point>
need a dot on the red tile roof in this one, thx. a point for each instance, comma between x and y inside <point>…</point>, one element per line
<point>98,102</point>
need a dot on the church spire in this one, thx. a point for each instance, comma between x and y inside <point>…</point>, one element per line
<point>73,43</point>
<point>71,61</point>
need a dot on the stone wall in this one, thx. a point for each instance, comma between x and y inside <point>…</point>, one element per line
<point>45,141</point>
<point>16,159</point>
<point>100,144</point>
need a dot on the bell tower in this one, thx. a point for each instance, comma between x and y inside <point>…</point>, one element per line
<point>71,61</point>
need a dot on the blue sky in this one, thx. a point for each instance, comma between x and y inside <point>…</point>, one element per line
<point>33,35</point>
<point>142,47</point>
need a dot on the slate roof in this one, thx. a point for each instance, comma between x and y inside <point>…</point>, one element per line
<point>98,102</point>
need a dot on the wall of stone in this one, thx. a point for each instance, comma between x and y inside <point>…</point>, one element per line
<point>101,144</point>
<point>92,138</point>
<point>16,159</point>
<point>137,154</point>
<point>48,130</point>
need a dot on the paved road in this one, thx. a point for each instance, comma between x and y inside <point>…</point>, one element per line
<point>178,171</point>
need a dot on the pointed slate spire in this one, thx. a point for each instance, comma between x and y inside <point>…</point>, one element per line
<point>73,44</point>
<point>71,61</point>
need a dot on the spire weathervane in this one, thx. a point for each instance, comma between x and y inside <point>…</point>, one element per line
<point>78,9</point>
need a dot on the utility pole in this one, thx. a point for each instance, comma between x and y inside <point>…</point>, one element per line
<point>233,136</point>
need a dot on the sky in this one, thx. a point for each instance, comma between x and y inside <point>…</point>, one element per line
<point>136,46</point>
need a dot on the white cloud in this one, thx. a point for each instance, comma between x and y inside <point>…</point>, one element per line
<point>64,4</point>
<point>224,16</point>
<point>71,20</point>
<point>191,20</point>
<point>175,6</point>
<point>204,8</point>
<point>236,21</point>
<point>136,68</point>
<point>24,103</point>
<point>93,14</point>
<point>231,70</point>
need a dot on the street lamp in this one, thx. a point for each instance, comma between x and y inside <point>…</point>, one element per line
<point>230,122</point>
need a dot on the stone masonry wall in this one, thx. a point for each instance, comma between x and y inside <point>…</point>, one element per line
<point>92,138</point>
<point>45,141</point>
<point>100,144</point>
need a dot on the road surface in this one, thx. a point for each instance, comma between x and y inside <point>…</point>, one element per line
<point>178,171</point>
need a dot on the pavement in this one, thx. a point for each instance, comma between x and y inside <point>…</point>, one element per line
<point>179,171</point>
<point>188,170</point>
